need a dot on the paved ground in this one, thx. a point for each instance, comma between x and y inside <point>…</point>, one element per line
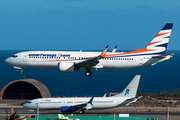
<point>151,112</point>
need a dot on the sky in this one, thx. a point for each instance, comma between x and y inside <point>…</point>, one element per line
<point>86,24</point>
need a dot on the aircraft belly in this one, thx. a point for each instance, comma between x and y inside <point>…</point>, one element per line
<point>103,106</point>
<point>22,64</point>
<point>119,64</point>
<point>150,61</point>
<point>49,106</point>
<point>43,64</point>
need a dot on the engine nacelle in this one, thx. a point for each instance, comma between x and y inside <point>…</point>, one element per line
<point>66,109</point>
<point>66,67</point>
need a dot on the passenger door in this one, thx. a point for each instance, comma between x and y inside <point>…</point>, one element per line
<point>140,59</point>
<point>25,57</point>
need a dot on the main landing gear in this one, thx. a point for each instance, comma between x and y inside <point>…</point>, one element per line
<point>88,73</point>
<point>21,72</point>
<point>81,111</point>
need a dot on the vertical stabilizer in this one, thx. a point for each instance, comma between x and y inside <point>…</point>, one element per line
<point>158,44</point>
<point>160,41</point>
<point>131,89</point>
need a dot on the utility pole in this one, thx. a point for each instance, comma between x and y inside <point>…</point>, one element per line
<point>37,111</point>
<point>168,113</point>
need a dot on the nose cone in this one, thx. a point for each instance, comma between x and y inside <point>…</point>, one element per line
<point>25,105</point>
<point>8,61</point>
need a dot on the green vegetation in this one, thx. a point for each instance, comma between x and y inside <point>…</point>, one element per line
<point>13,115</point>
<point>164,94</point>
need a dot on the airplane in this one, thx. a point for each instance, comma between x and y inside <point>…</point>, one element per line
<point>82,104</point>
<point>73,61</point>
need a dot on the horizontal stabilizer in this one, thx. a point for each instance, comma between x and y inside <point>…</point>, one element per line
<point>163,56</point>
<point>132,99</point>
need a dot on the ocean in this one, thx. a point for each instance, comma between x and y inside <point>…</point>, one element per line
<point>162,76</point>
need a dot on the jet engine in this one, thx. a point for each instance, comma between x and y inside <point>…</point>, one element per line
<point>66,67</point>
<point>66,109</point>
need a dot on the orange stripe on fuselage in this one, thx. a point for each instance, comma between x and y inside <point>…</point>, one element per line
<point>137,51</point>
<point>133,52</point>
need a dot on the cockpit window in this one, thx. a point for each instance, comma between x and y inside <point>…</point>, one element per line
<point>14,56</point>
<point>29,102</point>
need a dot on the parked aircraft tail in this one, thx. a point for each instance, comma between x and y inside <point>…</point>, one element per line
<point>131,89</point>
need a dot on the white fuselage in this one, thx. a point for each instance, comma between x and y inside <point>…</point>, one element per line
<point>85,103</point>
<point>57,103</point>
<point>50,59</point>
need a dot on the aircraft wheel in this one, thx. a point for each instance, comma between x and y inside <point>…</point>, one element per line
<point>81,111</point>
<point>88,73</point>
<point>21,72</point>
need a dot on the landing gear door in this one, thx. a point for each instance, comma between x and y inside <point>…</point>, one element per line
<point>25,57</point>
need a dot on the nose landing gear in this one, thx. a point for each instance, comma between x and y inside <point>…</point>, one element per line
<point>88,73</point>
<point>21,72</point>
<point>19,68</point>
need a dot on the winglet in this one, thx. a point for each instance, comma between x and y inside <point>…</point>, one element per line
<point>114,50</point>
<point>103,54</point>
<point>91,100</point>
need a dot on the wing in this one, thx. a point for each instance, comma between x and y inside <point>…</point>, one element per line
<point>86,106</point>
<point>87,64</point>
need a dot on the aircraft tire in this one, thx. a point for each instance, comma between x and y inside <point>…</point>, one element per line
<point>81,111</point>
<point>21,72</point>
<point>88,73</point>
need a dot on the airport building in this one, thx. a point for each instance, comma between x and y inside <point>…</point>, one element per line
<point>25,89</point>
